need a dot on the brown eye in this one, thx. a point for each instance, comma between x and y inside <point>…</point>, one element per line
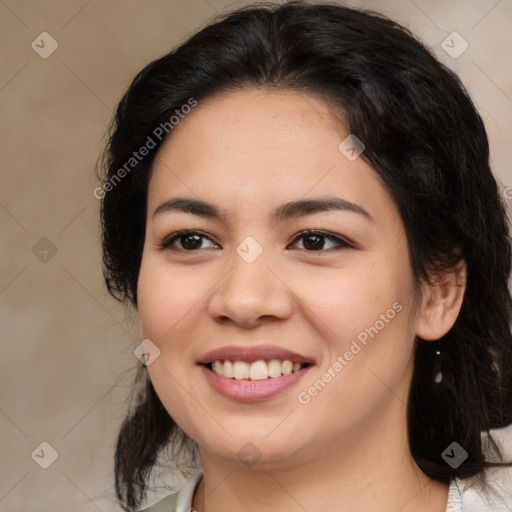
<point>315,241</point>
<point>312,241</point>
<point>188,240</point>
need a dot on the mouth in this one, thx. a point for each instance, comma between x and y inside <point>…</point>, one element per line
<point>253,373</point>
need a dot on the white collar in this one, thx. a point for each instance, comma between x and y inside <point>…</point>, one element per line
<point>186,494</point>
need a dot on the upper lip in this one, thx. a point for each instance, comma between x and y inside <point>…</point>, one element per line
<point>254,353</point>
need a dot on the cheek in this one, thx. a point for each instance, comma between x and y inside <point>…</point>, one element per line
<point>166,296</point>
<point>364,317</point>
<point>348,300</point>
<point>166,300</point>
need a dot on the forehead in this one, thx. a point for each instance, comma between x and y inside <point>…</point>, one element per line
<point>261,123</point>
<point>255,147</point>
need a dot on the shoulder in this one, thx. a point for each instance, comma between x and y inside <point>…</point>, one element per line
<point>497,496</point>
<point>167,504</point>
<point>180,501</point>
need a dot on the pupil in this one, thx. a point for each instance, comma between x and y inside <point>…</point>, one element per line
<point>193,245</point>
<point>317,244</point>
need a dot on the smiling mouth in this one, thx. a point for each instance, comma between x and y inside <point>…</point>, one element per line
<point>256,370</point>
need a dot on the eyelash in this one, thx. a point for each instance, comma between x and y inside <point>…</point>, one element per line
<point>342,244</point>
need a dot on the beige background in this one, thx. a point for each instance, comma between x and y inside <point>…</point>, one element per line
<point>64,342</point>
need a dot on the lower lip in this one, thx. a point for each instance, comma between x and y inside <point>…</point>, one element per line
<point>251,390</point>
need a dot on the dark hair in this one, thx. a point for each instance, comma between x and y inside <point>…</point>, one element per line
<point>425,139</point>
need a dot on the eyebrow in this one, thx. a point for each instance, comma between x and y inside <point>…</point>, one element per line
<point>286,211</point>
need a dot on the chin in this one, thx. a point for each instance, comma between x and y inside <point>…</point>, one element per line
<point>259,452</point>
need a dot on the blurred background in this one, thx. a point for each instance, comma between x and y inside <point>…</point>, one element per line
<point>66,362</point>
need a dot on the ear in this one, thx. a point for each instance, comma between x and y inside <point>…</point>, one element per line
<point>441,303</point>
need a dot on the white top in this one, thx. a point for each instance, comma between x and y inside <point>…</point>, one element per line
<point>181,501</point>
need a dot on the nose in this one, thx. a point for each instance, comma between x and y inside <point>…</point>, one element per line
<point>251,294</point>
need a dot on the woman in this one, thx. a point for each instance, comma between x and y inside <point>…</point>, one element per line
<point>319,262</point>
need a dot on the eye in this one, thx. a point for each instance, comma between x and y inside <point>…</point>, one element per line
<point>314,240</point>
<point>188,239</point>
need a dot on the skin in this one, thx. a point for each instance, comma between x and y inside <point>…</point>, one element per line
<point>346,450</point>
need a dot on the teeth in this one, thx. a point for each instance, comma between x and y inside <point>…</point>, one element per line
<point>240,370</point>
<point>228,369</point>
<point>274,368</point>
<point>218,368</point>
<point>258,370</point>
<point>287,367</point>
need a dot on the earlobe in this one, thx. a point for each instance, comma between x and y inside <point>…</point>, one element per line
<point>441,304</point>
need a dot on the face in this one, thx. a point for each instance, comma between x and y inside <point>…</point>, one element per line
<point>248,280</point>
